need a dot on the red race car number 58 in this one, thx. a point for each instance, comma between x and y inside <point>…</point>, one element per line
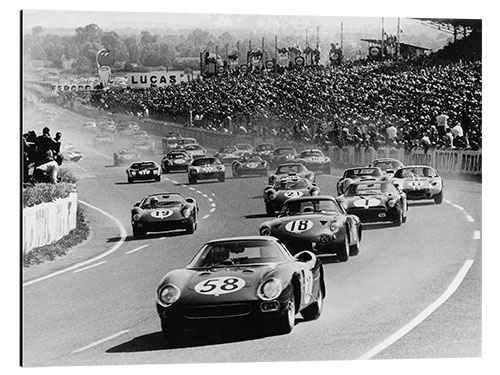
<point>219,285</point>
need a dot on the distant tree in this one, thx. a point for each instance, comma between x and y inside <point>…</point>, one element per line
<point>37,30</point>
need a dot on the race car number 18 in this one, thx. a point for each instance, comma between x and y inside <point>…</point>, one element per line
<point>219,285</point>
<point>298,226</point>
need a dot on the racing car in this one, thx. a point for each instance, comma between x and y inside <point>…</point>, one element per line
<point>139,134</point>
<point>144,145</point>
<point>89,126</point>
<point>169,144</point>
<point>265,151</point>
<point>103,139</point>
<point>227,154</point>
<point>107,125</point>
<point>70,153</point>
<point>318,224</point>
<point>250,281</point>
<point>125,129</point>
<point>358,174</point>
<point>183,142</point>
<point>125,156</point>
<point>388,165</point>
<point>283,155</point>
<point>177,160</point>
<point>420,182</point>
<point>291,169</point>
<point>243,148</point>
<point>143,170</point>
<point>285,188</point>
<point>206,169</point>
<point>315,160</point>
<point>195,151</point>
<point>162,212</point>
<point>172,135</point>
<point>248,165</point>
<point>375,201</point>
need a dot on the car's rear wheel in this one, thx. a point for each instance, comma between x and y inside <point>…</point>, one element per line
<point>438,199</point>
<point>286,322</point>
<point>313,311</point>
<point>343,251</point>
<point>172,333</point>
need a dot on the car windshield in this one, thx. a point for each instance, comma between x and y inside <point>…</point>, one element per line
<point>187,141</point>
<point>235,253</point>
<point>192,148</point>
<point>290,184</point>
<point>264,148</point>
<point>388,164</point>
<point>143,165</point>
<point>371,189</point>
<point>177,155</point>
<point>415,172</point>
<point>251,158</point>
<point>173,135</point>
<point>172,142</point>
<point>243,147</point>
<point>162,200</point>
<point>227,149</point>
<point>308,154</point>
<point>284,151</point>
<point>204,161</point>
<point>305,207</point>
<point>285,169</point>
<point>361,172</point>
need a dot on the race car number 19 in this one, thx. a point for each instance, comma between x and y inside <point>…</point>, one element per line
<point>219,285</point>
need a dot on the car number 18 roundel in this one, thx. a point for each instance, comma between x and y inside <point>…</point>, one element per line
<point>219,285</point>
<point>299,226</point>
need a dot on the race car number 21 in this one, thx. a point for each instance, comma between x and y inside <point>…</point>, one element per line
<point>298,226</point>
<point>219,285</point>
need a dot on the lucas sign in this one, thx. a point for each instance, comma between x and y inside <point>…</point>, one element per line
<point>155,79</point>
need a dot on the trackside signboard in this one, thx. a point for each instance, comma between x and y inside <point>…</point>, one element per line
<point>155,79</point>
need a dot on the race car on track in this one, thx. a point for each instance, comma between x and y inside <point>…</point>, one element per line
<point>103,139</point>
<point>420,182</point>
<point>243,148</point>
<point>169,144</point>
<point>315,160</point>
<point>388,165</point>
<point>172,135</point>
<point>89,126</point>
<point>107,125</point>
<point>176,160</point>
<point>285,188</point>
<point>250,281</point>
<point>163,212</point>
<point>318,224</point>
<point>143,170</point>
<point>358,174</point>
<point>70,153</point>
<point>283,155</point>
<point>125,129</point>
<point>265,151</point>
<point>135,126</point>
<point>287,169</point>
<point>227,154</point>
<point>139,134</point>
<point>207,168</point>
<point>144,145</point>
<point>195,151</point>
<point>375,201</point>
<point>248,165</point>
<point>125,156</point>
<point>183,142</point>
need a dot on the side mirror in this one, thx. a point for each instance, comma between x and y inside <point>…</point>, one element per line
<point>304,256</point>
<point>137,204</point>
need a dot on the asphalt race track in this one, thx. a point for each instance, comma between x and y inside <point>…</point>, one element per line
<point>412,292</point>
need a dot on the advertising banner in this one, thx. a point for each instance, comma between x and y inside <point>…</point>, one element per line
<point>283,59</point>
<point>156,79</point>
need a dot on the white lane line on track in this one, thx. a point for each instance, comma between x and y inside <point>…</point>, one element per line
<point>213,195</point>
<point>136,249</point>
<point>424,314</point>
<point>210,200</point>
<point>123,235</point>
<point>175,182</point>
<point>212,209</point>
<point>199,192</point>
<point>206,216</point>
<point>91,266</point>
<point>83,169</point>
<point>101,341</point>
<point>477,234</point>
<point>190,188</point>
<point>469,218</point>
<point>206,196</point>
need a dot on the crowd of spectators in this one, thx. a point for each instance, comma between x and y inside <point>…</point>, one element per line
<point>41,156</point>
<point>410,104</point>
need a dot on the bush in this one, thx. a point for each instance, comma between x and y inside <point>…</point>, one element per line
<point>46,192</point>
<point>50,252</point>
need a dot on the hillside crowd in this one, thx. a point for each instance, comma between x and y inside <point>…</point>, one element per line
<point>41,156</point>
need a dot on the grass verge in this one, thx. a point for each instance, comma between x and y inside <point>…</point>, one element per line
<point>60,248</point>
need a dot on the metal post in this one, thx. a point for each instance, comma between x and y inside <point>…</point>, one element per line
<point>382,41</point>
<point>397,47</point>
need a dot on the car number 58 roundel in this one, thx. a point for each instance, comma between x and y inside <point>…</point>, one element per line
<point>219,285</point>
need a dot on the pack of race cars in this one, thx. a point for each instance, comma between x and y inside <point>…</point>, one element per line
<point>266,279</point>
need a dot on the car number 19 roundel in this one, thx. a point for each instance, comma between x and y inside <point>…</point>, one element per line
<point>219,285</point>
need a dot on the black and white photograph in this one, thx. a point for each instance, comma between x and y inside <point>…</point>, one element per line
<point>252,188</point>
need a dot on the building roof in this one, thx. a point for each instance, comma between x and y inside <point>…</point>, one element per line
<point>378,41</point>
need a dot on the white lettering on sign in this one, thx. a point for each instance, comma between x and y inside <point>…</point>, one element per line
<point>219,285</point>
<point>299,226</point>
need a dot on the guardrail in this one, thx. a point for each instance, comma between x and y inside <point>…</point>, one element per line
<point>46,223</point>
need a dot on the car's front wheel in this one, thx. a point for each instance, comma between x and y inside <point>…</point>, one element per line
<point>236,174</point>
<point>313,311</point>
<point>130,180</point>
<point>138,233</point>
<point>270,210</point>
<point>286,322</point>
<point>398,220</point>
<point>172,333</point>
<point>191,228</point>
<point>343,251</point>
<point>192,180</point>
<point>438,199</point>
<point>222,178</point>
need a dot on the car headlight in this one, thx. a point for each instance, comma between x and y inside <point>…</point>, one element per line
<point>327,160</point>
<point>391,203</point>
<point>221,168</point>
<point>270,289</point>
<point>136,217</point>
<point>265,231</point>
<point>335,226</point>
<point>435,183</point>
<point>132,173</point>
<point>272,196</point>
<point>168,295</point>
<point>314,192</point>
<point>187,212</point>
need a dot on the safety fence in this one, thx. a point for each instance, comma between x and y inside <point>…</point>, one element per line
<point>454,161</point>
<point>48,222</point>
